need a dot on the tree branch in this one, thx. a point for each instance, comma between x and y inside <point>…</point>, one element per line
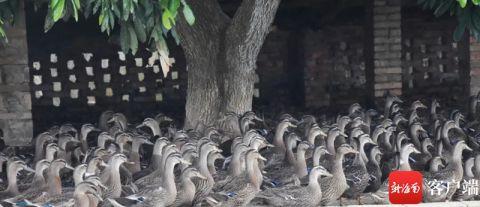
<point>210,19</point>
<point>248,30</point>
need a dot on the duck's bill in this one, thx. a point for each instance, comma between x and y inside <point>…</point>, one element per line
<point>29,169</point>
<point>69,167</point>
<point>262,158</point>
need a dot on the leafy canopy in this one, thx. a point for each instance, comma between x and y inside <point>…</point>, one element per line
<point>466,11</point>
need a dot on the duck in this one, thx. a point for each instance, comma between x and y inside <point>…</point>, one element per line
<point>13,167</point>
<point>187,190</point>
<point>277,154</point>
<point>134,157</point>
<point>204,186</point>
<point>356,173</point>
<point>436,163</point>
<point>334,187</point>
<point>310,195</point>
<point>110,176</point>
<point>155,195</point>
<point>373,169</point>
<point>243,189</point>
<point>39,180</point>
<point>51,190</point>
<point>468,177</point>
<point>452,172</point>
<point>40,142</point>
<point>294,172</point>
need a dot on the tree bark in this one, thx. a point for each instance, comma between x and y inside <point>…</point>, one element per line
<point>221,56</point>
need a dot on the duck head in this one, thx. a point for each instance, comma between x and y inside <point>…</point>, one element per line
<point>318,153</point>
<point>314,132</point>
<point>192,172</point>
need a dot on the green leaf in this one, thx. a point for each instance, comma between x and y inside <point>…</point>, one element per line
<point>75,10</point>
<point>476,2</point>
<point>124,38</point>
<point>140,29</point>
<point>463,3</point>
<point>77,4</point>
<point>48,21</point>
<point>127,4</point>
<point>58,10</point>
<point>53,3</point>
<point>459,31</point>
<point>166,16</point>
<point>188,13</point>
<point>173,6</point>
<point>444,7</point>
<point>133,40</point>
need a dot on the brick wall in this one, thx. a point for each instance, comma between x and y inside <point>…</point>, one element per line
<point>15,100</point>
<point>431,59</point>
<point>334,66</point>
<point>474,66</point>
<point>387,47</point>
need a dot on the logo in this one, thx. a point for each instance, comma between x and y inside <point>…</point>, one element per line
<point>405,187</point>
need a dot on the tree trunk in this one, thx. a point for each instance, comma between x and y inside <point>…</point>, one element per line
<point>221,56</point>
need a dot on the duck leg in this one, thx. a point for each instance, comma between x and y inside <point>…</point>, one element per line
<point>359,199</point>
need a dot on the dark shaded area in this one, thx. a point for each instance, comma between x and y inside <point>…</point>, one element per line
<point>68,41</point>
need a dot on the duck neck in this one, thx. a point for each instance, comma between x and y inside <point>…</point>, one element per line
<point>301,164</point>
<point>314,184</point>
<point>235,167</point>
<point>115,178</point>
<point>203,165</point>
<point>457,156</point>
<point>404,164</point>
<point>337,169</point>
<point>244,125</point>
<point>157,156</point>
<point>12,180</point>
<point>188,188</point>
<point>50,155</point>
<point>155,129</point>
<point>78,176</point>
<point>290,156</point>
<point>92,167</point>
<point>425,151</point>
<point>415,139</point>
<point>211,165</point>
<point>39,145</point>
<point>83,141</point>
<point>362,153</point>
<point>254,172</point>
<point>278,139</point>
<point>468,169</point>
<point>39,179</point>
<point>477,167</point>
<point>316,158</point>
<point>331,144</point>
<point>376,134</point>
<point>54,182</point>
<point>169,178</point>
<point>386,137</point>
<point>101,142</point>
<point>311,137</point>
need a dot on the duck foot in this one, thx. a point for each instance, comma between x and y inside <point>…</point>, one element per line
<point>359,199</point>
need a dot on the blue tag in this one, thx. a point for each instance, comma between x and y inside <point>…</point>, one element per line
<point>231,194</point>
<point>21,203</point>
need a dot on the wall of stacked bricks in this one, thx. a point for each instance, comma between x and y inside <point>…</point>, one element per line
<point>474,66</point>
<point>387,40</point>
<point>433,63</point>
<point>15,100</point>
